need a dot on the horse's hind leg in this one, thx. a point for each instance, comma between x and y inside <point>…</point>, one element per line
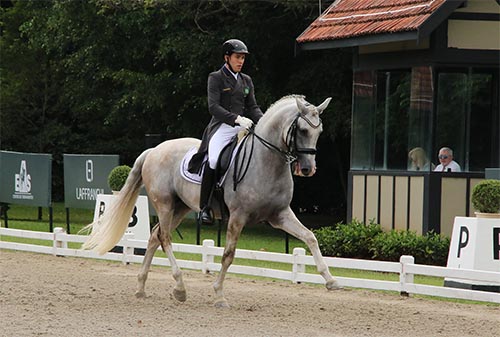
<point>153,244</point>
<point>160,235</point>
<point>288,222</point>
<point>168,222</point>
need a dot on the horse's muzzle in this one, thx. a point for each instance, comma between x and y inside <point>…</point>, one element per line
<point>303,170</point>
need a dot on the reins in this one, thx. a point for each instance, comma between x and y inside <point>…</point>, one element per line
<point>290,155</point>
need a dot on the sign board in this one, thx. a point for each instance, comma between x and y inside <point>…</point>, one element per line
<point>475,244</point>
<point>85,177</point>
<point>139,219</point>
<point>26,178</point>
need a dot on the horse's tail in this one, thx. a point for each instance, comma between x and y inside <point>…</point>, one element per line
<point>110,228</point>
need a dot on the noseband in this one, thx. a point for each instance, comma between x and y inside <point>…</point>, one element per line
<point>291,138</point>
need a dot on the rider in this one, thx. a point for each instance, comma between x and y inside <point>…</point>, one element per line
<point>232,104</point>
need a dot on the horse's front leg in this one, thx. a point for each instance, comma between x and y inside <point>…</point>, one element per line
<point>287,221</point>
<point>233,232</point>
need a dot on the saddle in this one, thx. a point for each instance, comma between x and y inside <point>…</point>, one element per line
<point>223,162</point>
<point>217,201</point>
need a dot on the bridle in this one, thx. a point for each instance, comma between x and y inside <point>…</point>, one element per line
<point>292,151</point>
<point>289,155</point>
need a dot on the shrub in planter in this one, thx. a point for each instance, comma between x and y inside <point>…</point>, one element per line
<point>351,240</point>
<point>486,196</point>
<point>117,177</point>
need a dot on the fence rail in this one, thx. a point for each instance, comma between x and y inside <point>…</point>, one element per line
<point>406,268</point>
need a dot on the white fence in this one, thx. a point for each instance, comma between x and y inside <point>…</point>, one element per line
<point>406,268</point>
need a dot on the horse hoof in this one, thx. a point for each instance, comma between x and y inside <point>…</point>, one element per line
<point>333,285</point>
<point>140,294</point>
<point>221,304</point>
<point>180,295</point>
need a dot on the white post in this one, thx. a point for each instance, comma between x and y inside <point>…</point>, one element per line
<point>297,267</point>
<point>206,258</point>
<point>127,249</point>
<point>57,242</point>
<point>404,276</point>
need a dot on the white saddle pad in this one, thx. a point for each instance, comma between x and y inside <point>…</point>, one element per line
<point>192,177</point>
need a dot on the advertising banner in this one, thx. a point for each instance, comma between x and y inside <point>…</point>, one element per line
<point>85,177</point>
<point>25,178</point>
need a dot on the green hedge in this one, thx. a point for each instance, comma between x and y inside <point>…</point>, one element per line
<point>360,241</point>
<point>351,240</point>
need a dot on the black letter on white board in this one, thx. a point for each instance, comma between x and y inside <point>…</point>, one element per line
<point>133,218</point>
<point>496,243</point>
<point>463,243</point>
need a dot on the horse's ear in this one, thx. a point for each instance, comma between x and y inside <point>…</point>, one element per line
<point>323,105</point>
<point>302,107</point>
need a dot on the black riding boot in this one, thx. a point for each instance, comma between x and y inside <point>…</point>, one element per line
<point>207,184</point>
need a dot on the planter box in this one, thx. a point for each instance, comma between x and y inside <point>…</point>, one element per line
<point>475,244</point>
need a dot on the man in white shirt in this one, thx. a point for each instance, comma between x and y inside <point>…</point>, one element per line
<point>447,164</point>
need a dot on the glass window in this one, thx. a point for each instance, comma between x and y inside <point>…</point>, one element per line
<point>364,83</point>
<point>401,118</point>
<point>467,118</point>
<point>420,120</point>
<point>484,124</point>
<point>391,129</point>
<point>451,113</point>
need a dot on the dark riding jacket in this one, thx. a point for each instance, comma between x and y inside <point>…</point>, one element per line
<point>227,98</point>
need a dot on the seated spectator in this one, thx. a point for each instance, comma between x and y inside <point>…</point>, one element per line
<point>419,161</point>
<point>447,163</point>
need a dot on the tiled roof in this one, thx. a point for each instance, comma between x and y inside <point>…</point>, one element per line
<point>346,19</point>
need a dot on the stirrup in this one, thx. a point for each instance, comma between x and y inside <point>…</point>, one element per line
<point>205,217</point>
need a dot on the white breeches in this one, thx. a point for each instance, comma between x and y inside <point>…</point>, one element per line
<point>221,138</point>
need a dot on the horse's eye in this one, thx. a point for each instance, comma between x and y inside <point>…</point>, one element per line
<point>303,132</point>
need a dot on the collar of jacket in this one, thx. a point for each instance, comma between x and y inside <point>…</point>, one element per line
<point>229,72</point>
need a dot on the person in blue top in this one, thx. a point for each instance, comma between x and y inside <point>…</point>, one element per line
<point>232,104</point>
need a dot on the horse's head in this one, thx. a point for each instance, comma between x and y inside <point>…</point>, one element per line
<point>304,135</point>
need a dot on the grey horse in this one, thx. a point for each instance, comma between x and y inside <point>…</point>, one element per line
<point>287,133</point>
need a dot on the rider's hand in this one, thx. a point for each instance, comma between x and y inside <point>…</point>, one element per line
<point>244,122</point>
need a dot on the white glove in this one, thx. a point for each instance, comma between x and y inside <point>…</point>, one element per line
<point>244,122</point>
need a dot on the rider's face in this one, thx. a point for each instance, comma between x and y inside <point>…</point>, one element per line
<point>236,61</point>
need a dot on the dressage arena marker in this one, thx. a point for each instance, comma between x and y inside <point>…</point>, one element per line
<point>406,268</point>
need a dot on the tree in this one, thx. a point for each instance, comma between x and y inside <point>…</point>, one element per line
<point>96,76</point>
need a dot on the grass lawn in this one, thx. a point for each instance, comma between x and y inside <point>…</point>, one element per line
<point>258,237</point>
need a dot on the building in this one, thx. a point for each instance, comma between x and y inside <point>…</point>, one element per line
<point>425,76</point>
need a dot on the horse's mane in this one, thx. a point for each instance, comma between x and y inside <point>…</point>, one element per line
<point>284,98</point>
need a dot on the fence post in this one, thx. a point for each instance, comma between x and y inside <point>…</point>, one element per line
<point>57,242</point>
<point>206,258</point>
<point>404,277</point>
<point>127,249</point>
<point>297,267</point>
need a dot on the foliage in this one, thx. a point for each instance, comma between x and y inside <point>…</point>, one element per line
<point>357,240</point>
<point>351,240</point>
<point>118,176</point>
<point>486,196</point>
<point>429,249</point>
<point>96,76</point>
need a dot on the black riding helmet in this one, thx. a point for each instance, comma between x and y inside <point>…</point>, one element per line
<point>234,46</point>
